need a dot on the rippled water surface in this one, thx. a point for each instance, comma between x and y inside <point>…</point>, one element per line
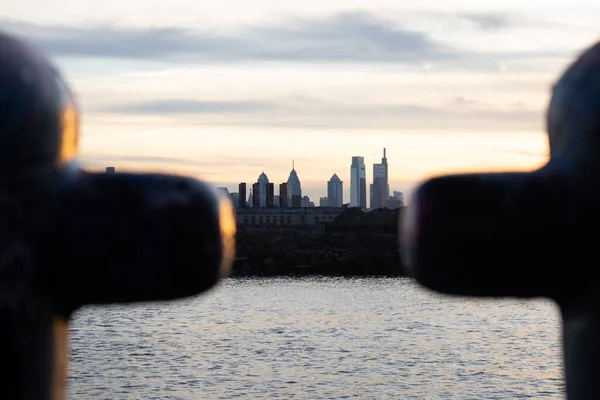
<point>318,339</point>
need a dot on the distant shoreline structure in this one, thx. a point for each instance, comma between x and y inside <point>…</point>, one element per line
<point>355,244</point>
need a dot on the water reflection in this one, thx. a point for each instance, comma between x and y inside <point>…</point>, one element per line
<point>317,339</point>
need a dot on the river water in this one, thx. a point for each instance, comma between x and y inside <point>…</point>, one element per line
<point>318,339</point>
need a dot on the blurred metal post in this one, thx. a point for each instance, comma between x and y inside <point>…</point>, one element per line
<point>527,234</point>
<point>69,238</point>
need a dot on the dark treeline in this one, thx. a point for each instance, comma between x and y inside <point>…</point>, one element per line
<point>356,243</point>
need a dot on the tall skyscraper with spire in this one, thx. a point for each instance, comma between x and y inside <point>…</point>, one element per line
<point>380,188</point>
<point>358,183</point>
<point>294,188</point>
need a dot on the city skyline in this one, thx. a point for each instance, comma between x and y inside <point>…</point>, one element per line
<point>196,89</point>
<point>333,191</point>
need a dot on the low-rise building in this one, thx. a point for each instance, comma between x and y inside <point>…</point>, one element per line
<point>286,216</point>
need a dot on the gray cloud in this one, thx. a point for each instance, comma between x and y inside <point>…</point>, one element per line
<point>178,106</point>
<point>488,21</point>
<point>100,160</point>
<point>298,112</point>
<point>128,161</point>
<point>347,36</point>
<point>353,37</point>
<point>495,20</point>
<point>464,102</point>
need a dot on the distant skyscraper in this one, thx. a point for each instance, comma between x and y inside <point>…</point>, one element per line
<point>381,190</point>
<point>110,170</point>
<point>235,199</point>
<point>296,201</point>
<point>358,183</point>
<point>270,194</point>
<point>323,202</point>
<point>223,191</point>
<point>283,195</point>
<point>242,192</point>
<point>293,185</point>
<point>256,195</point>
<point>263,181</point>
<point>399,196</point>
<point>335,191</point>
<point>305,202</point>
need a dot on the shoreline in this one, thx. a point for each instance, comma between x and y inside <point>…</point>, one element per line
<point>291,253</point>
<point>313,277</point>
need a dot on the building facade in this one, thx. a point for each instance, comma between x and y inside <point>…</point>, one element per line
<point>379,188</point>
<point>286,217</point>
<point>235,199</point>
<point>305,202</point>
<point>358,183</point>
<point>242,192</point>
<point>380,192</point>
<point>263,182</point>
<point>335,192</point>
<point>270,194</point>
<point>223,191</point>
<point>256,195</point>
<point>399,196</point>
<point>293,185</point>
<point>283,195</point>
<point>296,201</point>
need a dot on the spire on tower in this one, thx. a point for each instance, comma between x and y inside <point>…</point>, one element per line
<point>293,165</point>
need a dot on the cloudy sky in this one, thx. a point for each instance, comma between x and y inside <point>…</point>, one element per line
<point>226,89</point>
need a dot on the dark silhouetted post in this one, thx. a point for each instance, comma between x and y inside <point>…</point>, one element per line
<point>527,234</point>
<point>70,238</point>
